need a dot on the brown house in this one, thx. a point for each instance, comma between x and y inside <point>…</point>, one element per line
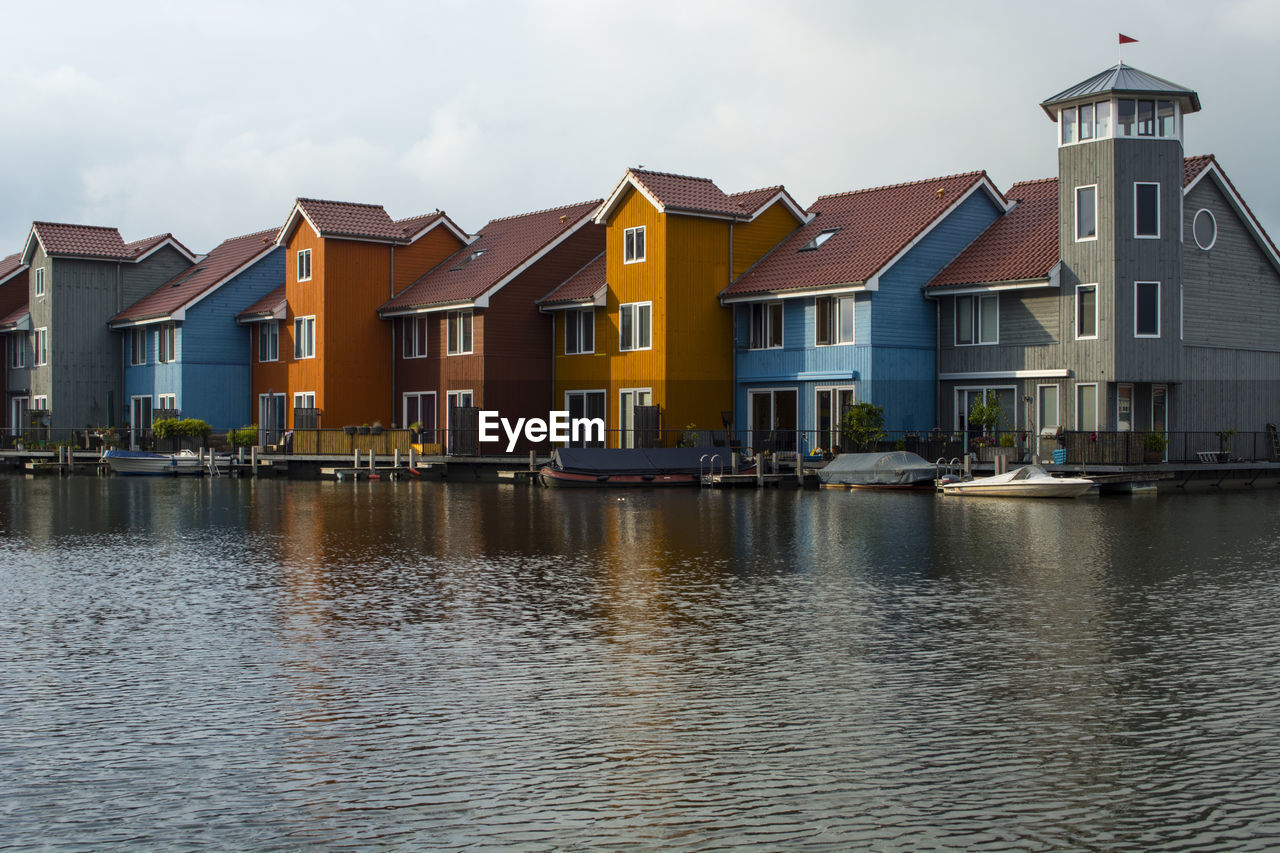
<point>15,323</point>
<point>469,333</point>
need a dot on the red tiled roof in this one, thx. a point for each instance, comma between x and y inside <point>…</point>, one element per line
<point>350,219</point>
<point>190,284</point>
<point>873,226</point>
<point>1019,246</point>
<point>414,224</point>
<point>88,241</point>
<point>268,305</point>
<point>500,248</point>
<point>580,286</point>
<point>685,193</point>
<point>1193,166</point>
<point>139,248</point>
<point>14,317</point>
<point>9,265</point>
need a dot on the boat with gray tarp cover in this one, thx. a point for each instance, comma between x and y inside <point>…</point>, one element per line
<point>895,469</point>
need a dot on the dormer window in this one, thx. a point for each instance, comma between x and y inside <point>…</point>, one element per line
<point>820,238</point>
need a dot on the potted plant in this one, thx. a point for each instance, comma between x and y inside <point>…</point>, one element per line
<point>349,430</point>
<point>688,436</point>
<point>363,429</point>
<point>1224,444</point>
<point>376,429</point>
<point>1154,446</point>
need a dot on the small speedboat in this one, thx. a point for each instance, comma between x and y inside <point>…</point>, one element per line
<point>1029,481</point>
<point>145,463</point>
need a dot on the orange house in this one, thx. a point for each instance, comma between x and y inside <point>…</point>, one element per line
<point>642,326</point>
<point>321,355</point>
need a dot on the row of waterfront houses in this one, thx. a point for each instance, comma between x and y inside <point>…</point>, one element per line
<point>1134,291</point>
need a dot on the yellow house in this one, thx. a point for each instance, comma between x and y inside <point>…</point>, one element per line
<point>640,337</point>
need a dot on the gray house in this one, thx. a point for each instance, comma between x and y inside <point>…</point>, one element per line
<point>79,277</point>
<point>1135,293</point>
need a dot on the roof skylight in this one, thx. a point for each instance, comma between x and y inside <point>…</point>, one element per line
<point>818,240</point>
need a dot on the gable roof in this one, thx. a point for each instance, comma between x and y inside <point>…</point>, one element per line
<point>671,193</point>
<point>356,221</point>
<point>1022,245</point>
<point>869,230</point>
<point>1195,169</point>
<point>95,242</point>
<point>171,300</point>
<point>273,306</point>
<point>502,250</point>
<point>756,202</point>
<point>1124,80</point>
<point>11,266</point>
<point>17,320</point>
<point>583,286</point>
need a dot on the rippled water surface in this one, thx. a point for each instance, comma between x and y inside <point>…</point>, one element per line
<point>282,665</point>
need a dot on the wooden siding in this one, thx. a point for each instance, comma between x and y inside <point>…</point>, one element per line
<point>425,254</point>
<point>142,279</point>
<point>753,240</point>
<point>353,345</point>
<point>305,298</point>
<point>83,377</point>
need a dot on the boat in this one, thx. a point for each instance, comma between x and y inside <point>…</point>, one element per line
<point>896,469</point>
<point>1029,481</point>
<point>145,463</point>
<point>591,467</point>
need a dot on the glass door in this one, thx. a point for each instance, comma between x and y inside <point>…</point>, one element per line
<point>628,399</point>
<point>141,410</point>
<point>17,408</point>
<point>1048,420</point>
<point>1160,413</point>
<point>420,407</point>
<point>271,418</point>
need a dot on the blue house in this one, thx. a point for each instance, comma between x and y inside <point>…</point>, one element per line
<point>833,315</point>
<point>184,355</point>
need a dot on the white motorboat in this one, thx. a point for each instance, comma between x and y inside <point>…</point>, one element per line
<point>1029,481</point>
<point>144,463</point>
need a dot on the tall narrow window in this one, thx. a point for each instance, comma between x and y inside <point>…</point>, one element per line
<point>1087,407</point>
<point>634,321</point>
<point>17,351</point>
<point>822,321</point>
<point>1146,309</point>
<point>633,245</point>
<point>269,341</point>
<point>39,285</point>
<point>766,325</point>
<point>833,320</point>
<point>1124,408</point>
<point>1087,213</point>
<point>1086,311</point>
<point>414,333</point>
<point>304,265</point>
<point>138,346</point>
<point>1068,122</point>
<point>460,332</point>
<point>1086,122</point>
<point>977,319</point>
<point>1166,116</point>
<point>168,343</point>
<point>964,320</point>
<point>1146,210</point>
<point>1125,112</point>
<point>304,337</point>
<point>1102,122</point>
<point>579,331</point>
<point>1146,118</point>
<point>40,343</point>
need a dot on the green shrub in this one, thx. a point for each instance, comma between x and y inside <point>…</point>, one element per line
<point>246,436</point>
<point>863,425</point>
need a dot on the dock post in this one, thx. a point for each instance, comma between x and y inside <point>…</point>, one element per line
<point>413,457</point>
<point>355,463</point>
<point>734,460</point>
<point>373,459</point>
<point>253,459</point>
<point>968,466</point>
<point>396,459</point>
<point>533,461</point>
<point>759,471</point>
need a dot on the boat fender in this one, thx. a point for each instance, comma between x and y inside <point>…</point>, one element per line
<point>602,478</point>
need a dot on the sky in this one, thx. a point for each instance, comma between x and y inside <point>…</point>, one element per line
<point>208,120</point>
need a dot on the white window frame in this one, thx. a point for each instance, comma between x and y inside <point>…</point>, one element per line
<point>40,346</point>
<point>304,400</point>
<point>829,433</point>
<point>409,329</point>
<point>40,403</point>
<point>634,308</point>
<point>576,320</point>
<point>39,282</point>
<point>421,397</point>
<point>1079,426</point>
<point>137,340</point>
<point>304,331</point>
<point>626,422</point>
<point>1135,310</point>
<point>269,339</point>
<point>1076,223</point>
<point>1136,235</point>
<point>1075,314</point>
<point>171,399</point>
<point>633,245</point>
<point>304,265</point>
<point>1212,219</point>
<point>461,322</point>
<point>1041,395</point>
<point>765,311</point>
<point>1119,387</point>
<point>977,327</point>
<point>835,315</point>
<point>167,343</point>
<point>17,352</point>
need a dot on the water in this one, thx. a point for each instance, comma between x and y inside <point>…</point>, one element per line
<point>286,665</point>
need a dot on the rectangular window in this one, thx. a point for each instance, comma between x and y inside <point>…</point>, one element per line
<point>1125,111</point>
<point>40,403</point>
<point>304,265</point>
<point>579,331</point>
<point>413,330</point>
<point>585,404</point>
<point>40,343</point>
<point>1087,407</point>
<point>834,320</point>
<point>977,319</point>
<point>1166,117</point>
<point>634,326</point>
<point>1086,122</point>
<point>1068,125</point>
<point>766,325</point>
<point>138,346</point>
<point>459,323</point>
<point>17,351</point>
<point>304,400</point>
<point>167,338</point>
<point>633,245</point>
<point>1087,213</point>
<point>269,341</point>
<point>167,401</point>
<point>1102,119</point>
<point>1146,210</point>
<point>39,285</point>
<point>1146,309</point>
<point>1048,408</point>
<point>1086,311</point>
<point>1124,408</point>
<point>1146,118</point>
<point>304,337</point>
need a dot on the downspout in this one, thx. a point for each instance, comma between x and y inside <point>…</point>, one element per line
<point>395,396</point>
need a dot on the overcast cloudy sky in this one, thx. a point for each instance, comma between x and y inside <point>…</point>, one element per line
<point>208,120</point>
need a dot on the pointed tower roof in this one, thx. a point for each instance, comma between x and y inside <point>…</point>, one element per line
<point>1123,80</point>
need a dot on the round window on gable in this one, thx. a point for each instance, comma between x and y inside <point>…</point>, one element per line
<point>1205,229</point>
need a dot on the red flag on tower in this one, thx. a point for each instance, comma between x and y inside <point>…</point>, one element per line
<point>1124,39</point>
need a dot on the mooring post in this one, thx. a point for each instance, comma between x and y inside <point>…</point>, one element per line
<point>533,461</point>
<point>373,459</point>
<point>253,459</point>
<point>355,463</point>
<point>760,463</point>
<point>968,465</point>
<point>396,458</point>
<point>413,457</point>
<point>734,460</point>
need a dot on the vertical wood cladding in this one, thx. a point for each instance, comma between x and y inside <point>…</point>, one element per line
<point>306,299</point>
<point>423,255</point>
<point>353,345</point>
<point>753,240</point>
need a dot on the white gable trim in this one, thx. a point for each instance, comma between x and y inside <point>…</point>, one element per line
<point>20,268</point>
<point>615,198</point>
<point>482,301</point>
<point>790,203</point>
<point>448,223</point>
<point>1242,210</point>
<point>167,241</point>
<point>291,224</point>
<point>181,313</point>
